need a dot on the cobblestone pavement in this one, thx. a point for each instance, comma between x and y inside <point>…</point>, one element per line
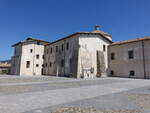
<point>64,95</point>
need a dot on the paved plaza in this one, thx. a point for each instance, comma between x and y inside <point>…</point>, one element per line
<point>65,95</point>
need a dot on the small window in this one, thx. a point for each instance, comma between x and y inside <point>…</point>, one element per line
<point>112,72</point>
<point>50,64</point>
<point>42,65</point>
<point>62,47</point>
<point>130,54</point>
<point>67,46</point>
<point>62,63</point>
<point>31,50</point>
<point>132,73</point>
<point>104,48</point>
<point>56,48</point>
<point>47,51</point>
<point>112,56</point>
<point>37,56</point>
<point>28,64</point>
<point>43,57</point>
<point>45,64</point>
<point>70,60</point>
<point>51,50</point>
<point>37,65</point>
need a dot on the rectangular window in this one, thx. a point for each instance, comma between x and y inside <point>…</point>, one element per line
<point>47,51</point>
<point>37,65</point>
<point>43,57</point>
<point>46,65</point>
<point>56,48</point>
<point>70,61</point>
<point>130,54</point>
<point>67,46</point>
<point>37,56</point>
<point>111,72</point>
<point>50,64</point>
<point>132,73</point>
<point>31,50</point>
<point>28,64</point>
<point>62,47</point>
<point>62,63</point>
<point>51,50</point>
<point>112,56</point>
<point>104,48</point>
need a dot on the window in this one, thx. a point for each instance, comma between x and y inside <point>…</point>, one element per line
<point>28,64</point>
<point>112,72</point>
<point>31,50</point>
<point>132,73</point>
<point>104,48</point>
<point>50,64</point>
<point>37,56</point>
<point>130,54</point>
<point>56,48</point>
<point>43,57</point>
<point>70,61</point>
<point>37,65</point>
<point>51,50</point>
<point>46,65</point>
<point>67,46</point>
<point>112,56</point>
<point>62,63</point>
<point>62,47</point>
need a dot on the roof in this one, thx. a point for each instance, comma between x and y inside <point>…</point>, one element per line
<point>29,39</point>
<point>130,41</point>
<point>103,34</point>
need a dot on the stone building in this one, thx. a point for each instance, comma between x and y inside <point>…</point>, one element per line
<point>28,57</point>
<point>80,55</point>
<point>130,58</point>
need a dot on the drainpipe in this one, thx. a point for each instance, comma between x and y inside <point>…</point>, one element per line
<point>64,55</point>
<point>33,59</point>
<point>143,52</point>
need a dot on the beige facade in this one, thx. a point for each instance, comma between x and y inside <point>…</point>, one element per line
<point>130,58</point>
<point>28,57</point>
<point>80,55</point>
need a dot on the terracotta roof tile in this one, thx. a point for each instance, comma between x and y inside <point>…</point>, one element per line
<point>130,41</point>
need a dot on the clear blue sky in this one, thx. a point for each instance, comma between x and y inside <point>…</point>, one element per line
<point>54,19</point>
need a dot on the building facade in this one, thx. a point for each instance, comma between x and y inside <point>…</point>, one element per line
<point>28,57</point>
<point>80,55</point>
<point>130,58</point>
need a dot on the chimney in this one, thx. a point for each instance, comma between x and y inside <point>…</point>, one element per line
<point>97,27</point>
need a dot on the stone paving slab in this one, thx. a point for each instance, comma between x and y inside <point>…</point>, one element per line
<point>132,101</point>
<point>17,79</point>
<point>41,94</point>
<point>14,88</point>
<point>28,101</point>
